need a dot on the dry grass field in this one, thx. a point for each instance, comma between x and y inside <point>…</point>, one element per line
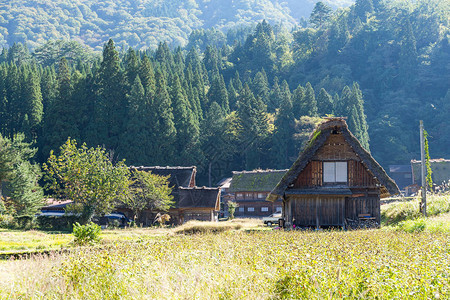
<point>241,265</point>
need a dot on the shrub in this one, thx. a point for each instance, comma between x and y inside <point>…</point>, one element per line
<point>86,234</point>
<point>6,221</point>
<point>63,223</point>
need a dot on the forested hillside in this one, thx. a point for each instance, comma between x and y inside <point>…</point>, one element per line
<point>249,102</point>
<point>139,24</point>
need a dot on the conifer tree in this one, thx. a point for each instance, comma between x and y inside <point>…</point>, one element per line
<point>324,103</point>
<point>186,125</point>
<point>147,76</point>
<point>131,66</point>
<point>135,138</point>
<point>164,132</point>
<point>275,96</point>
<point>261,86</point>
<point>320,14</point>
<point>218,92</point>
<point>253,127</point>
<point>309,104</point>
<point>284,130</point>
<point>297,100</point>
<point>33,103</point>
<point>60,122</point>
<point>111,98</point>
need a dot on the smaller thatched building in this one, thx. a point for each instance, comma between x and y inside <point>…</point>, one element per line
<point>333,182</point>
<point>191,202</point>
<point>250,190</point>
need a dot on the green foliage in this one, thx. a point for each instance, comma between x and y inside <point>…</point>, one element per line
<point>320,14</point>
<point>26,196</point>
<point>396,212</point>
<point>374,264</point>
<point>149,191</point>
<point>86,234</point>
<point>427,160</point>
<point>88,177</point>
<point>232,208</point>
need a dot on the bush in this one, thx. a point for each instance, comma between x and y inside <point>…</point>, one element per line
<point>86,234</point>
<point>396,212</point>
<point>62,223</point>
<point>7,221</point>
<point>24,222</point>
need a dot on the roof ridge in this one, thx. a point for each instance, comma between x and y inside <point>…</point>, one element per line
<point>259,171</point>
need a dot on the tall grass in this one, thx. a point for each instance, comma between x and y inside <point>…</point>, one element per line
<point>242,265</point>
<point>396,212</point>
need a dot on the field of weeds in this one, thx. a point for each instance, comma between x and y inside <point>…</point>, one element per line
<point>242,264</point>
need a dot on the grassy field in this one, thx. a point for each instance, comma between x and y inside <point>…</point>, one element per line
<point>242,265</point>
<point>239,259</point>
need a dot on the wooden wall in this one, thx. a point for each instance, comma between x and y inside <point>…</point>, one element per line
<point>354,206</point>
<point>320,210</point>
<point>335,148</point>
<point>357,175</point>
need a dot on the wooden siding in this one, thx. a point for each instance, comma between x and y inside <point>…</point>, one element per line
<point>318,211</point>
<point>310,176</point>
<point>359,176</point>
<point>354,206</point>
<point>335,148</point>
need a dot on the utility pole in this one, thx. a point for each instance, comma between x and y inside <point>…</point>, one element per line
<point>423,203</point>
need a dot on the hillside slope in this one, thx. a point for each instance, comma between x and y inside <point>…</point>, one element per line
<point>140,23</point>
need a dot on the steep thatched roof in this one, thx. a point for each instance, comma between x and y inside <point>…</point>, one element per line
<point>199,197</point>
<point>317,139</point>
<point>179,176</point>
<point>255,181</point>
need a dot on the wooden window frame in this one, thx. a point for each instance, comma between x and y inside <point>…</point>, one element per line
<point>335,163</point>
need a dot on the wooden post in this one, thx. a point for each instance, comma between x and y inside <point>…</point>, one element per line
<point>317,212</point>
<point>423,204</point>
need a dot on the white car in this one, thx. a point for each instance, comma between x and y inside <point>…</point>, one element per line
<point>272,219</point>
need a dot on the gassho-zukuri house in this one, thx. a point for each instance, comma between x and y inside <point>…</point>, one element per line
<point>333,182</point>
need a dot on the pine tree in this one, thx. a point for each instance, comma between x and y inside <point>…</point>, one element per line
<point>357,117</point>
<point>320,14</point>
<point>147,76</point>
<point>309,104</point>
<point>33,103</point>
<point>253,127</point>
<point>275,96</point>
<point>260,86</point>
<point>324,103</point>
<point>297,100</point>
<point>131,66</point>
<point>284,130</point>
<point>162,121</point>
<point>60,122</point>
<point>111,98</point>
<point>218,92</point>
<point>186,125</point>
<point>136,137</point>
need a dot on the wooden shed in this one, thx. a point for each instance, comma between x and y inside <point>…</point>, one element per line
<point>334,181</point>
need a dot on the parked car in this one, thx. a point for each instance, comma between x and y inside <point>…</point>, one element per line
<point>272,219</point>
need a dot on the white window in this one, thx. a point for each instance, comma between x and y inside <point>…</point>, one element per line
<point>278,208</point>
<point>261,195</point>
<point>251,209</point>
<point>335,171</point>
<point>264,208</point>
<point>241,209</point>
<point>249,196</point>
<point>239,196</point>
